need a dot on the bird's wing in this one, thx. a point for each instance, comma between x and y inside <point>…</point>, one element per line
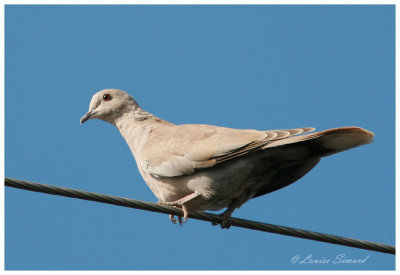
<point>178,150</point>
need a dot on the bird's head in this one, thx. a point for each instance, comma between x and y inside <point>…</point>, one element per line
<point>109,105</point>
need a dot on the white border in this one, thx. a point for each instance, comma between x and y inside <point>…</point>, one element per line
<point>204,2</point>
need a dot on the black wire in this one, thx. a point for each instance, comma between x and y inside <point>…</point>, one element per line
<point>283,230</point>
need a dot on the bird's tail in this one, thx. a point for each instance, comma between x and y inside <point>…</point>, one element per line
<point>323,143</point>
<point>297,155</point>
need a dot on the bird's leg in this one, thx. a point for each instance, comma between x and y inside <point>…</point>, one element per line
<point>181,203</point>
<point>236,203</point>
<point>225,218</point>
<point>183,200</point>
<point>185,213</point>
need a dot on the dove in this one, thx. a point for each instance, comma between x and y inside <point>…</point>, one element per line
<point>199,167</point>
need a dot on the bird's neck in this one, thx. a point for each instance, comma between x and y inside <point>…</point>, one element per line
<point>136,126</point>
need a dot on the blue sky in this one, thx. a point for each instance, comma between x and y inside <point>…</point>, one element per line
<point>259,67</point>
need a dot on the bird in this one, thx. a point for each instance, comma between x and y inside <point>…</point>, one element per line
<point>199,167</point>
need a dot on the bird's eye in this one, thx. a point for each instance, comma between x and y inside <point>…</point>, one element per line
<point>106,97</point>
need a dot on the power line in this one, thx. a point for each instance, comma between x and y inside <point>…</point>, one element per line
<point>283,230</point>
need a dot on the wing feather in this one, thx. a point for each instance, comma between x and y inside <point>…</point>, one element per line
<point>181,149</point>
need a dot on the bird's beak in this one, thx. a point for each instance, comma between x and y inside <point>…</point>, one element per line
<point>86,117</point>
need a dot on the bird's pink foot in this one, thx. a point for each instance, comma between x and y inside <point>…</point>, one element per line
<point>173,220</point>
<point>185,216</point>
<point>181,204</point>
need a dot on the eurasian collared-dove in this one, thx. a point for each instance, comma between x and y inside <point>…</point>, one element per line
<point>204,167</point>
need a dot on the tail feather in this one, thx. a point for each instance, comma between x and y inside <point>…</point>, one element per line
<point>297,155</point>
<point>323,143</point>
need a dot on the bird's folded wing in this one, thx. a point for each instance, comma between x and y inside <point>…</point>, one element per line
<point>180,149</point>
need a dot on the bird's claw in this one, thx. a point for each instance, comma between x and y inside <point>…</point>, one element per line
<point>225,223</point>
<point>172,218</point>
<point>180,220</point>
